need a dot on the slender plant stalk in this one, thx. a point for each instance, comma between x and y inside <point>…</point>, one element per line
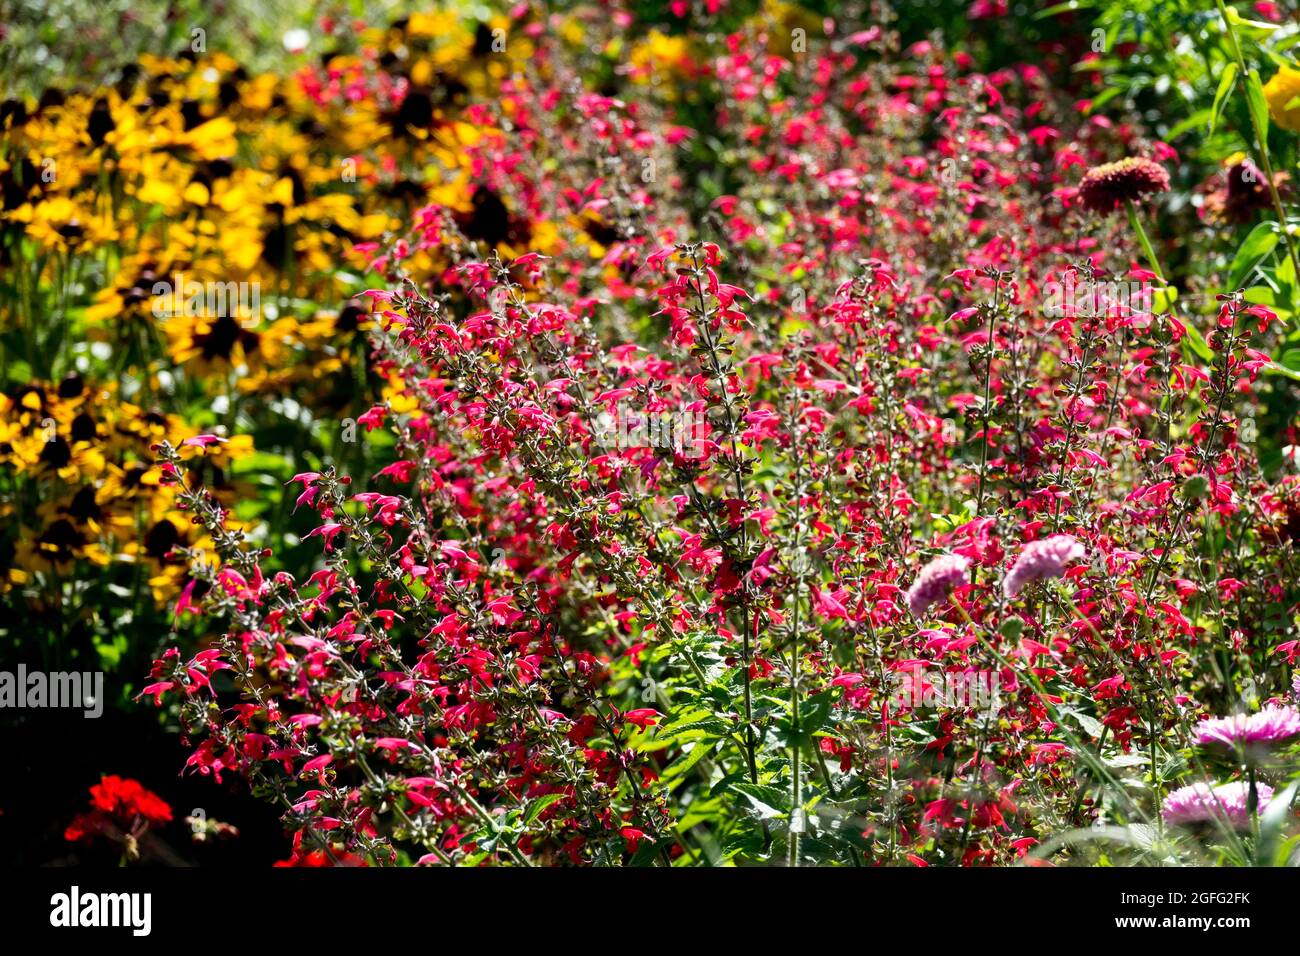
<point>984,408</point>
<point>1261,137</point>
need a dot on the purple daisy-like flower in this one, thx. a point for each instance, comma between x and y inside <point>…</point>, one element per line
<point>1042,559</point>
<point>1272,725</point>
<point>935,581</point>
<point>1199,803</point>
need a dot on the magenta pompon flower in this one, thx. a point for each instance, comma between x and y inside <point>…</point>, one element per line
<point>1042,559</point>
<point>1201,803</point>
<point>1270,726</point>
<point>935,581</point>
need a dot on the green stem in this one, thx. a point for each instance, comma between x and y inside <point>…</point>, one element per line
<point>1261,137</point>
<point>1145,242</point>
<point>984,409</point>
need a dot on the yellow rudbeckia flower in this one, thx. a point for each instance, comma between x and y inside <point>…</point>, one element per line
<point>1283,95</point>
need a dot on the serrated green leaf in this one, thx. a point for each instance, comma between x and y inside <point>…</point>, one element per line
<point>768,801</point>
<point>1091,725</point>
<point>707,727</point>
<point>683,764</point>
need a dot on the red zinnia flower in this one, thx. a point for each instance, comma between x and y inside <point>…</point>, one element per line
<point>121,804</point>
<point>1105,187</point>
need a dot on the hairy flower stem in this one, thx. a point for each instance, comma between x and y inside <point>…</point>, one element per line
<point>712,344</point>
<point>1112,404</point>
<point>1204,468</point>
<point>985,411</point>
<point>796,747</point>
<point>796,794</point>
<point>1076,389</point>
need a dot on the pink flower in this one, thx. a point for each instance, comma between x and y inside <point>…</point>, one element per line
<point>1199,803</point>
<point>1272,725</point>
<point>1042,559</point>
<point>827,605</point>
<point>374,418</point>
<point>935,581</point>
<point>633,836</point>
<point>329,531</point>
<point>157,690</point>
<point>186,601</point>
<point>317,764</point>
<point>642,718</point>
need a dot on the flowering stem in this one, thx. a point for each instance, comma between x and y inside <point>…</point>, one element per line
<point>984,408</point>
<point>796,794</point>
<point>1204,468</point>
<point>712,344</point>
<point>1261,137</point>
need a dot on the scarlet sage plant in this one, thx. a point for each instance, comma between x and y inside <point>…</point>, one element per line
<point>906,462</point>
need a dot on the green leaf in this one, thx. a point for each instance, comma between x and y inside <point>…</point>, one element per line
<point>1249,26</point>
<point>1194,120</point>
<point>1163,300</point>
<point>1258,106</point>
<point>1284,276</point>
<point>682,765</point>
<point>1091,725</point>
<point>536,808</point>
<point>1070,6</point>
<point>262,461</point>
<point>1285,851</point>
<point>816,712</point>
<point>1261,240</point>
<point>1262,294</point>
<point>1101,99</point>
<point>1221,94</point>
<point>747,841</point>
<point>708,727</point>
<point>727,782</point>
<point>1144,835</point>
<point>1271,822</point>
<point>768,801</point>
<point>1120,761</point>
<point>1275,368</point>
